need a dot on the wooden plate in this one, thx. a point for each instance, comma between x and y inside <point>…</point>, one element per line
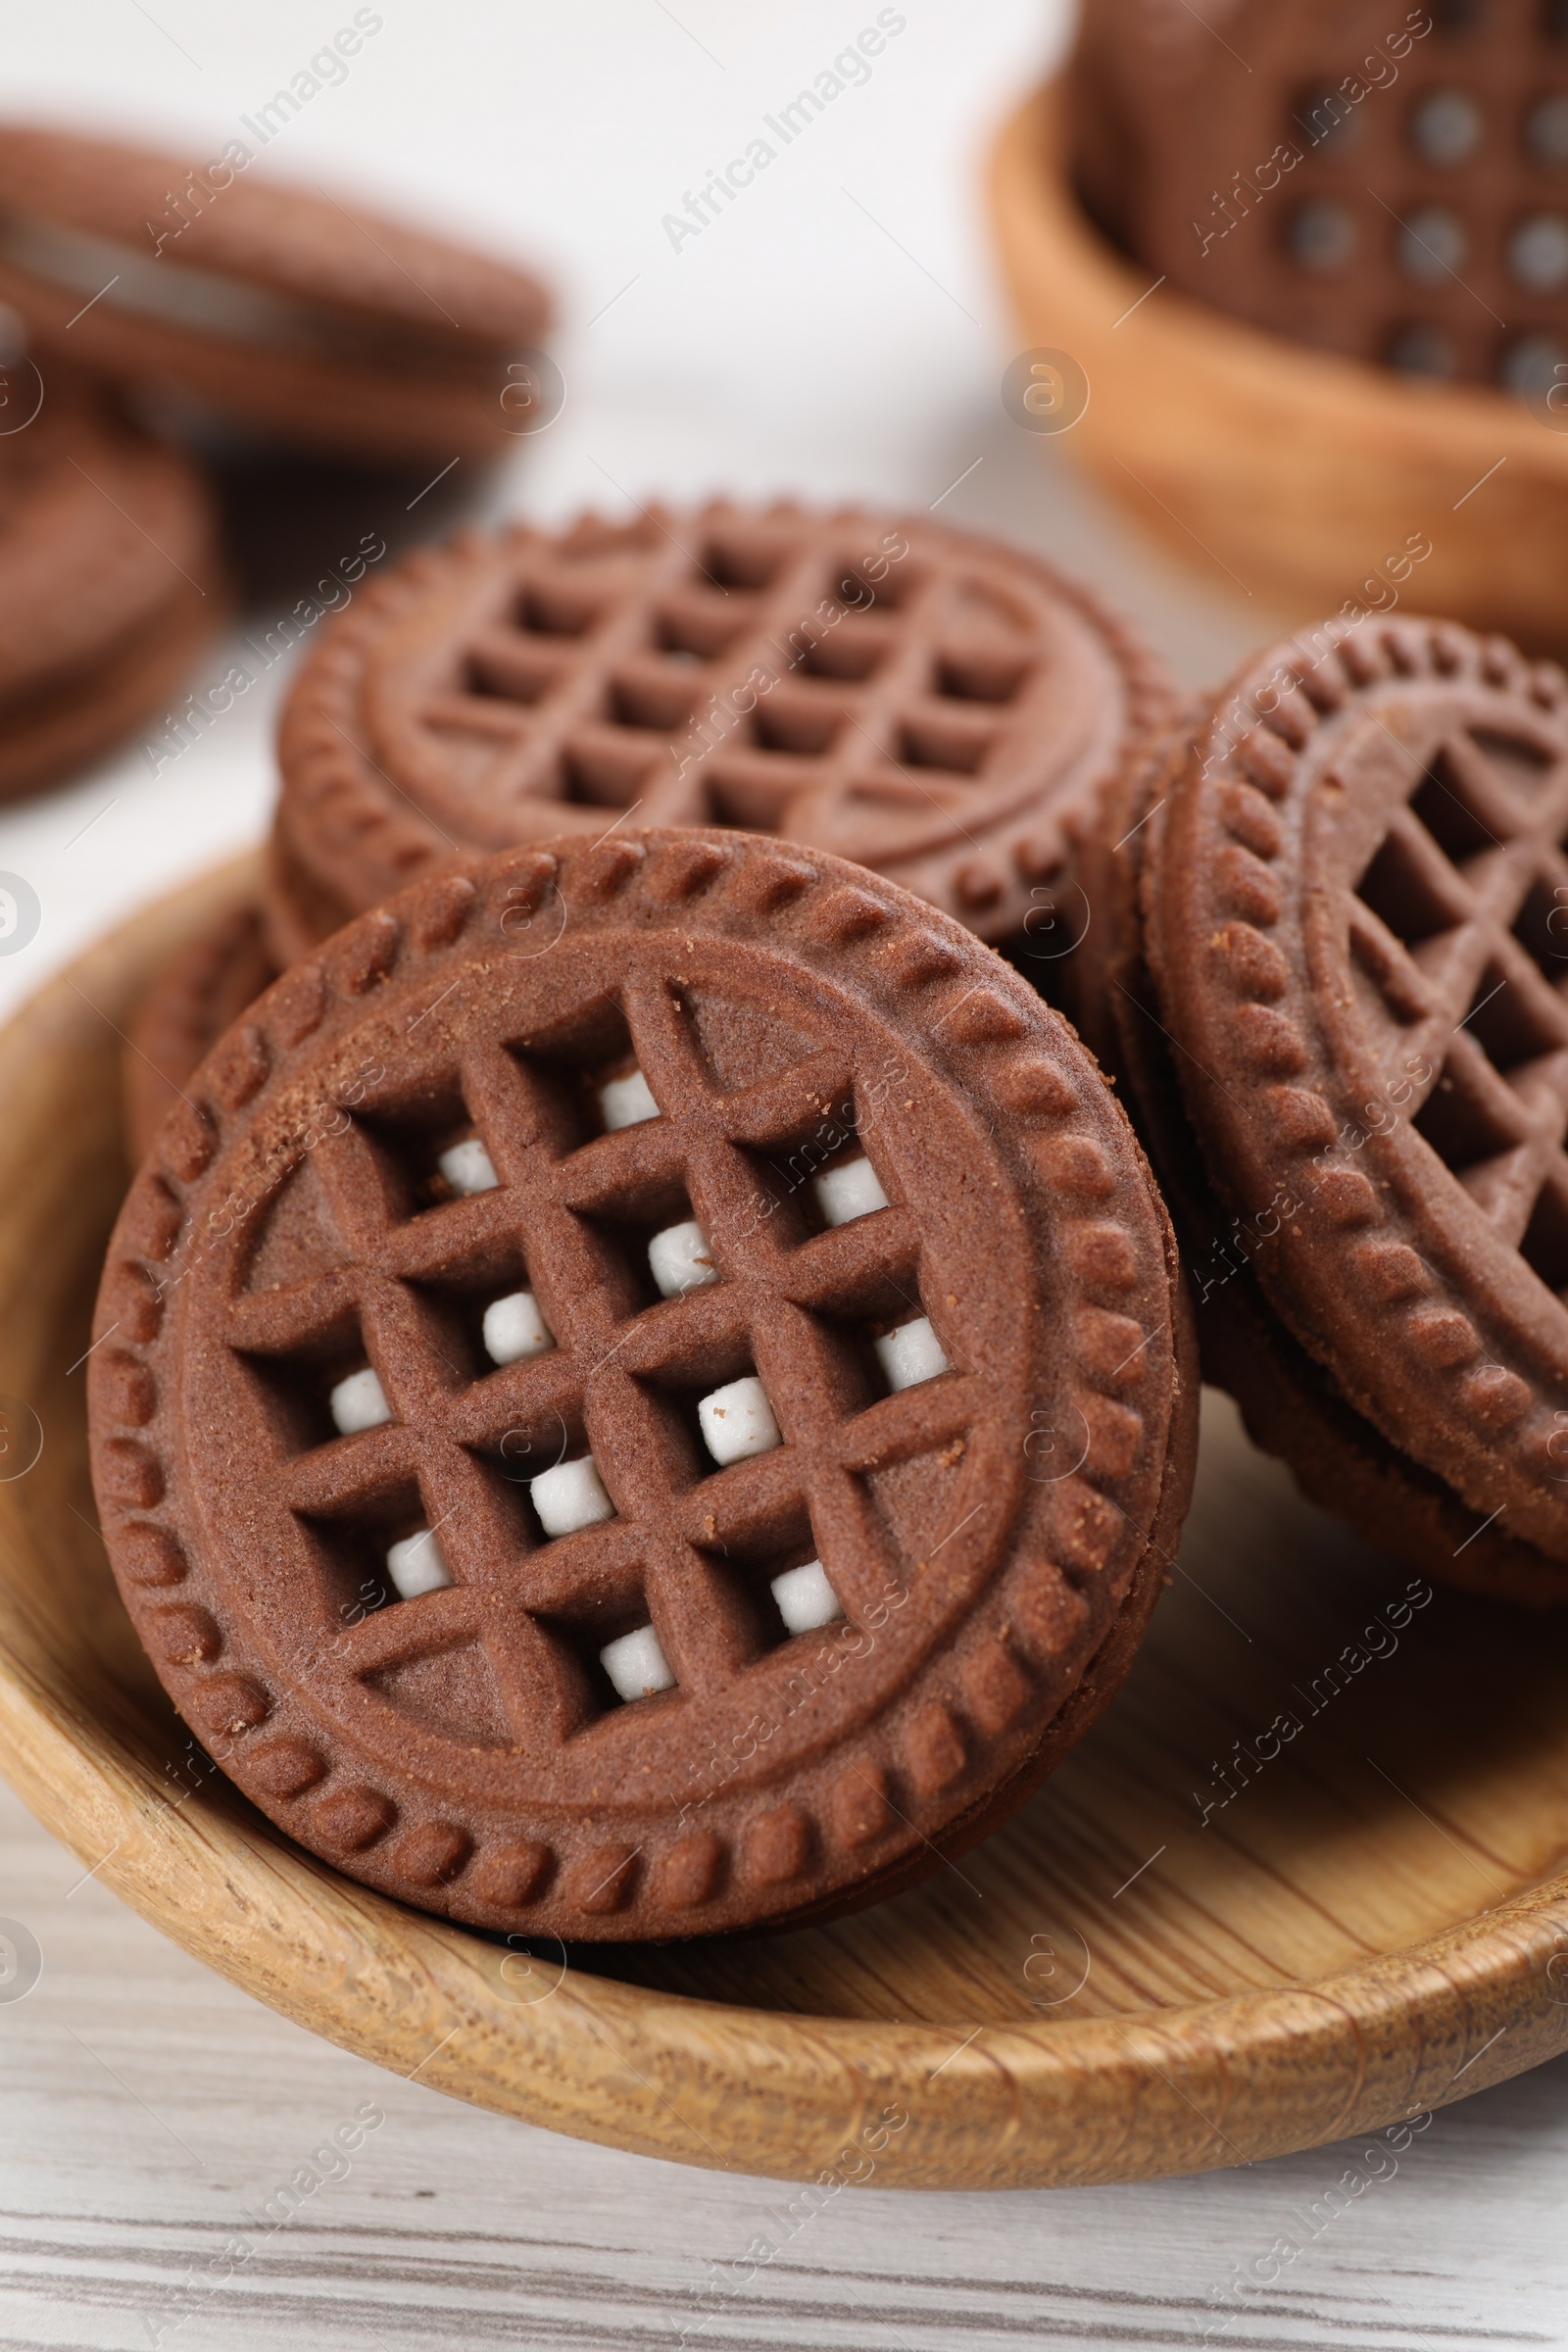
<point>1297,474</point>
<point>1372,1921</point>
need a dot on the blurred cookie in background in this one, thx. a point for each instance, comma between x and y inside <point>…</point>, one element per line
<point>109,573</point>
<point>1387,184</point>
<point>288,311</point>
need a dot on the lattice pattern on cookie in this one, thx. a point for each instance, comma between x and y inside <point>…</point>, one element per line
<point>924,703</point>
<point>569,1730</point>
<point>1459,938</point>
<point>827,1318</point>
<point>599,685</point>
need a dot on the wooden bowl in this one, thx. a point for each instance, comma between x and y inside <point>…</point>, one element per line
<point>1297,474</point>
<point>1374,1921</point>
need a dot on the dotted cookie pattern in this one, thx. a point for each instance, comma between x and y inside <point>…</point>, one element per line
<point>935,705</point>
<point>719,1695</point>
<point>1357,918</point>
<point>1386,183</point>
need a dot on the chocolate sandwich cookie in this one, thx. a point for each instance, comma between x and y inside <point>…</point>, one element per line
<point>110,577</point>
<point>185,1012</point>
<point>933,704</point>
<point>289,311</point>
<point>1290,1405</point>
<point>1385,182</point>
<point>1350,929</point>
<point>644,1392</point>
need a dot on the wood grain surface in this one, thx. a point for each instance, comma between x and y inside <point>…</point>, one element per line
<point>1210,1938</point>
<point>1286,471</point>
<point>157,2138</point>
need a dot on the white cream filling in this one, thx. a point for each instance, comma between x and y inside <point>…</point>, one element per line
<point>805,1600</point>
<point>737,1420</point>
<point>418,1565</point>
<point>910,1354</point>
<point>570,1497</point>
<point>636,1664</point>
<point>679,1258</point>
<point>358,1402</point>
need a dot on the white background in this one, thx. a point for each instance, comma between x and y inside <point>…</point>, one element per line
<point>839,333</point>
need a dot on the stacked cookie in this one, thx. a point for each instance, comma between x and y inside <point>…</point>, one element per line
<point>1380,181</point>
<point>109,574</point>
<point>130,280</point>
<point>646,1384</point>
<point>1334,940</point>
<point>941,708</point>
<point>268,306</point>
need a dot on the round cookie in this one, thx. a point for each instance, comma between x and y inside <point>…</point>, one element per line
<point>1350,919</point>
<point>110,577</point>
<point>197,995</point>
<point>286,311</point>
<point>933,704</point>
<point>446,1336</point>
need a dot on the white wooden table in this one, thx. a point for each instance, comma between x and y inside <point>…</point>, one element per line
<point>150,2116</point>
<point>838,334</point>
